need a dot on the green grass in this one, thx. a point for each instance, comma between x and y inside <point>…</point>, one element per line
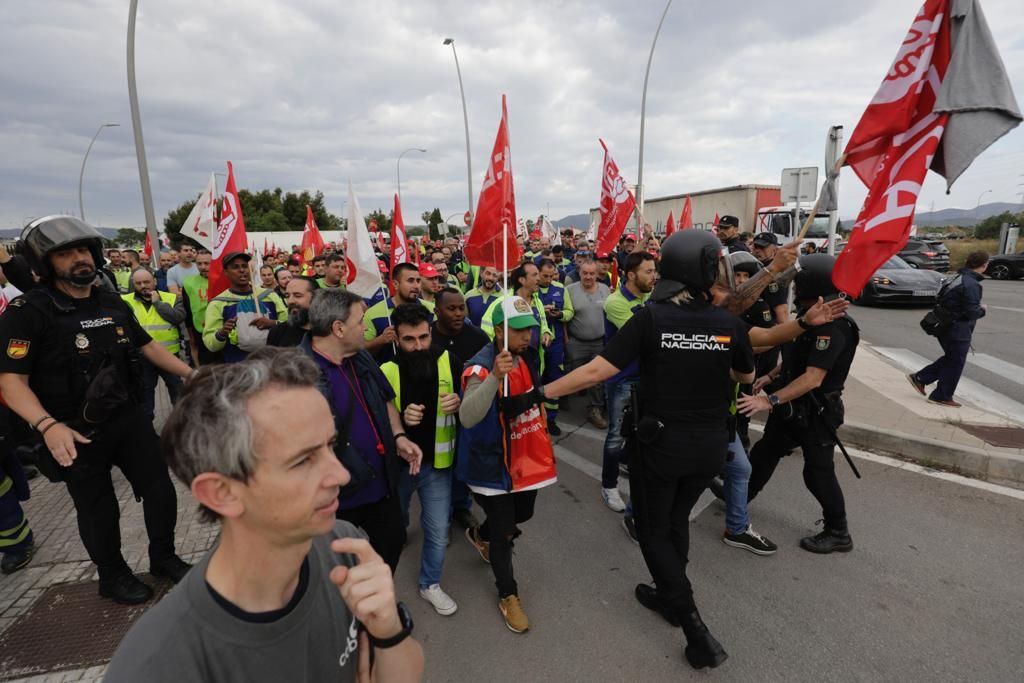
<point>959,249</point>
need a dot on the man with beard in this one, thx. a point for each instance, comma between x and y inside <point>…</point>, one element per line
<point>122,276</point>
<point>194,296</point>
<point>298,296</point>
<point>451,333</point>
<point>159,313</point>
<point>69,373</point>
<point>729,234</point>
<point>185,268</point>
<point>423,379</point>
<point>505,453</point>
<point>765,246</point>
<point>219,333</point>
<point>166,262</point>
<point>334,273</point>
<point>380,334</point>
<point>282,276</point>
<point>481,296</point>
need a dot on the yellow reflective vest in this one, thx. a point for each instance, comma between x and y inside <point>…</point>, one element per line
<point>444,425</point>
<point>162,332</point>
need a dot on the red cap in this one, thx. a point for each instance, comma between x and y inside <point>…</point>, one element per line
<point>536,235</point>
<point>428,270</point>
<point>605,256</point>
<point>630,236</point>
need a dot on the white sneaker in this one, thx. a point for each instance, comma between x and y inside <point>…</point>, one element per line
<point>613,500</point>
<point>441,601</point>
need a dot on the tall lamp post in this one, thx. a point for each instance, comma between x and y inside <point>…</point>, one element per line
<point>448,224</point>
<point>398,168</point>
<point>81,174</point>
<point>140,145</point>
<point>643,113</point>
<point>465,121</point>
<point>979,199</point>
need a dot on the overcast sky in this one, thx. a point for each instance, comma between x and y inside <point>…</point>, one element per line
<point>310,94</point>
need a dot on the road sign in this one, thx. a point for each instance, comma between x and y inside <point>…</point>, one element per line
<point>468,218</point>
<point>799,185</point>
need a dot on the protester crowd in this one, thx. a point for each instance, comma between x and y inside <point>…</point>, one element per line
<point>447,384</point>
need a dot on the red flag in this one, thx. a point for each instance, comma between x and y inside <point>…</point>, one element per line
<point>494,224</point>
<point>670,226</point>
<point>617,205</point>
<point>147,248</point>
<point>312,243</point>
<point>266,251</point>
<point>893,145</point>
<point>230,236</point>
<point>714,224</point>
<point>686,217</point>
<point>399,241</point>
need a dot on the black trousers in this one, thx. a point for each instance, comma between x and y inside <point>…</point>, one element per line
<point>665,481</point>
<point>818,446</point>
<point>382,521</point>
<point>500,529</point>
<point>132,445</point>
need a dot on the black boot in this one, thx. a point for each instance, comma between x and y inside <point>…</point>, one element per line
<point>828,541</point>
<point>701,647</point>
<point>173,567</point>
<point>648,597</point>
<point>125,589</point>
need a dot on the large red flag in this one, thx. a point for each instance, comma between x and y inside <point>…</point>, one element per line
<point>893,145</point>
<point>312,242</point>
<point>670,225</point>
<point>617,205</point>
<point>494,225</point>
<point>686,217</point>
<point>230,236</point>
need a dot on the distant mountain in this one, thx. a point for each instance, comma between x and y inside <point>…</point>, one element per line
<point>965,218</point>
<point>580,220</point>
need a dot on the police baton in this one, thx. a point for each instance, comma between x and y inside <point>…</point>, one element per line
<point>832,432</point>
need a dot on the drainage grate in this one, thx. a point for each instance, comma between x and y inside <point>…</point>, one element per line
<point>69,627</point>
<point>1002,437</point>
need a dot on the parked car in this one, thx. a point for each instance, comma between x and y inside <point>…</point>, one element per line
<point>1006,266</point>
<point>897,282</point>
<point>926,254</point>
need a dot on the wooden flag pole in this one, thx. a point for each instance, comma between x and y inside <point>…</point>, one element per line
<point>814,209</point>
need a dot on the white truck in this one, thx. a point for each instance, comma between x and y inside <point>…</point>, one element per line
<point>780,220</point>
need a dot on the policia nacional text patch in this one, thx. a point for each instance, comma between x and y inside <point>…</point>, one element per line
<point>17,349</point>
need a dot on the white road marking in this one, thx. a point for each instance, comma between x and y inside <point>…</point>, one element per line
<point>972,391</point>
<point>1014,373</point>
<point>1007,308</point>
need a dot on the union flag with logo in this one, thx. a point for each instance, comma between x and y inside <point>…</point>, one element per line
<point>230,236</point>
<point>616,207</point>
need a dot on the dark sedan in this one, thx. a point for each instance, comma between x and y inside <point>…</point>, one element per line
<point>896,282</point>
<point>1006,266</point>
<point>926,254</point>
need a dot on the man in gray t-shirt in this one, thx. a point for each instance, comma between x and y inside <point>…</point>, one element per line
<point>288,593</point>
<point>586,332</point>
<point>186,267</point>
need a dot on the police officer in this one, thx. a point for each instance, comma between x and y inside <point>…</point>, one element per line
<point>69,367</point>
<point>807,408</point>
<point>691,354</point>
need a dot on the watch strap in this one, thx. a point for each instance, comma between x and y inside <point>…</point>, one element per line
<point>405,619</point>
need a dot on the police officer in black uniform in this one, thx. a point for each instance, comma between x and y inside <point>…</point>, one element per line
<point>69,367</point>
<point>807,408</point>
<point>691,355</point>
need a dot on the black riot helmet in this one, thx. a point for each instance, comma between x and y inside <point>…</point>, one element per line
<point>689,259</point>
<point>745,262</point>
<point>43,236</point>
<point>815,277</point>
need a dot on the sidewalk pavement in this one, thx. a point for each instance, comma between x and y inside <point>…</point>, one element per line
<point>884,414</point>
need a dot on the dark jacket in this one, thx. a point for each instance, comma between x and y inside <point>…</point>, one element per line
<point>963,299</point>
<point>354,461</point>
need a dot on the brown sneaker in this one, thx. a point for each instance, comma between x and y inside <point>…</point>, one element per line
<point>597,419</point>
<point>482,547</point>
<point>949,403</point>
<point>515,618</point>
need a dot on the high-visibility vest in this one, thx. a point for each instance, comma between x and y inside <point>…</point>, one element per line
<point>162,332</point>
<point>444,425</point>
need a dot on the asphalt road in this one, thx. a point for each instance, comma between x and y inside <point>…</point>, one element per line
<point>932,591</point>
<point>997,336</point>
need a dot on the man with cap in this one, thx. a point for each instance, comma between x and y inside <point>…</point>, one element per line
<point>607,272</point>
<point>776,295</point>
<point>729,233</point>
<point>219,328</point>
<point>504,452</point>
<point>690,353</point>
<point>628,244</point>
<point>432,282</point>
<point>534,250</point>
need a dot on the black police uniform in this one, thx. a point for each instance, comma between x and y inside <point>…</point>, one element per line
<point>686,352</point>
<point>63,344</point>
<point>758,315</point>
<point>799,423</point>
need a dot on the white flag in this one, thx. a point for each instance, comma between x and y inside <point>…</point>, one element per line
<point>363,272</point>
<point>201,224</point>
<point>551,231</point>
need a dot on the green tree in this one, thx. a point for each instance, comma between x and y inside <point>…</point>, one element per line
<point>989,228</point>
<point>129,237</point>
<point>433,219</point>
<point>382,219</point>
<point>176,218</point>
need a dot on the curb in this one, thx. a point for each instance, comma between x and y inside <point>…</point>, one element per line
<point>998,468</point>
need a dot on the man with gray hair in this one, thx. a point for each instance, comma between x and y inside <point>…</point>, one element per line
<point>586,332</point>
<point>362,402</point>
<point>288,593</point>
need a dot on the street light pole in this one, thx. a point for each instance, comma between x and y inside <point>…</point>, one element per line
<point>81,174</point>
<point>643,113</point>
<point>398,168</point>
<point>140,145</point>
<point>979,199</point>
<point>465,121</point>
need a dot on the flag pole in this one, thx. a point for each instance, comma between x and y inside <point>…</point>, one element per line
<point>504,259</point>
<point>814,209</point>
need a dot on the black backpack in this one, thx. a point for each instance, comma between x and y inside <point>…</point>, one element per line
<point>938,320</point>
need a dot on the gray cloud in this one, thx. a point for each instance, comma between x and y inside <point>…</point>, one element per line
<point>308,95</point>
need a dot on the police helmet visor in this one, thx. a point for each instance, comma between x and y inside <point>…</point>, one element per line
<point>44,235</point>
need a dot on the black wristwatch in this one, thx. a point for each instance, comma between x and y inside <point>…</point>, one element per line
<point>399,435</point>
<point>773,400</point>
<point>406,620</point>
<point>804,325</point>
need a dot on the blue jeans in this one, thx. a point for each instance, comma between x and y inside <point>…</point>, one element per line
<point>736,474</point>
<point>618,399</point>
<point>435,489</point>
